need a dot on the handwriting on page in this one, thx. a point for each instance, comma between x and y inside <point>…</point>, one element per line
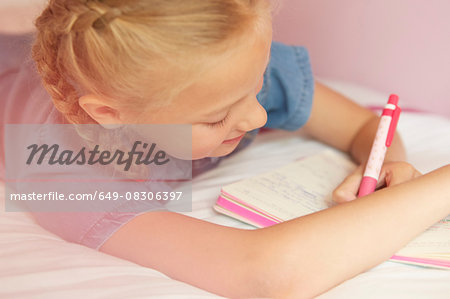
<point>300,188</point>
<point>435,241</point>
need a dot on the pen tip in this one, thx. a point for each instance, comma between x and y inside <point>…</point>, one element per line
<point>393,99</point>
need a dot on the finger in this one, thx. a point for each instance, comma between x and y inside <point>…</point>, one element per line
<point>383,178</point>
<point>401,174</point>
<point>417,173</point>
<point>349,187</point>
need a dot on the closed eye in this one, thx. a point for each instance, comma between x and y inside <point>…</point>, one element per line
<point>220,123</point>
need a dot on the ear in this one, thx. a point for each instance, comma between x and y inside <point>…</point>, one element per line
<point>102,113</point>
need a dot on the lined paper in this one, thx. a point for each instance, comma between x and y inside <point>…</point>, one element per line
<point>434,242</point>
<point>298,189</point>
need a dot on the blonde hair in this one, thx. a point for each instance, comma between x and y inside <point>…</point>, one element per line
<point>123,50</point>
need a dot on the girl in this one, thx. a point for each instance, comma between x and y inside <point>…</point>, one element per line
<point>212,64</point>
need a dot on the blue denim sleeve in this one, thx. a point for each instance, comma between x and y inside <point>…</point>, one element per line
<point>288,87</point>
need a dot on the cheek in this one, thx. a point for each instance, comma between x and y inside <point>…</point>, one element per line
<point>205,141</point>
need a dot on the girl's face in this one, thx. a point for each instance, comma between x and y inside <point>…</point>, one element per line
<point>222,105</point>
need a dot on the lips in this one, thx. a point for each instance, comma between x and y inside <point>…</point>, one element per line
<point>233,140</point>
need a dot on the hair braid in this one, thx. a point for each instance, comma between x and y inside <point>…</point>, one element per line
<point>51,32</point>
<point>55,26</point>
<point>97,16</point>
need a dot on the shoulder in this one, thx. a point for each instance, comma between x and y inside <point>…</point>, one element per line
<point>279,49</point>
<point>24,98</point>
<point>288,87</point>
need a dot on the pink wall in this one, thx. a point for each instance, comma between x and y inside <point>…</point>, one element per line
<point>398,46</point>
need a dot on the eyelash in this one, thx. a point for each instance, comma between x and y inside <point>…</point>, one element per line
<point>219,123</point>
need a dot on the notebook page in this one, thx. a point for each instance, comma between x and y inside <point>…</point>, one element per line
<point>300,188</point>
<point>434,242</point>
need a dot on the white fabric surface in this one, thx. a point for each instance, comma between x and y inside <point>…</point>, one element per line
<point>37,264</point>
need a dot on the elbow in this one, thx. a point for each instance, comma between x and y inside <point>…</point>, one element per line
<point>274,276</point>
<point>274,270</point>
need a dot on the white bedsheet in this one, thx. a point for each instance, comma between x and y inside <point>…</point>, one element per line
<point>35,263</point>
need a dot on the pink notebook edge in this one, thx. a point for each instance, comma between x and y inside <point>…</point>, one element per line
<point>243,212</point>
<point>421,261</point>
<point>227,197</point>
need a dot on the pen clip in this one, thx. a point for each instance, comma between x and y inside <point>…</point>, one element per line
<point>393,125</point>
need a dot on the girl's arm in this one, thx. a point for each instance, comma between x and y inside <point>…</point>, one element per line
<point>300,258</point>
<point>339,122</point>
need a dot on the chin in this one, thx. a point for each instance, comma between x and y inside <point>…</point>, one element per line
<point>222,150</point>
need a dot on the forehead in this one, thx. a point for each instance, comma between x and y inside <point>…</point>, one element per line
<point>229,77</point>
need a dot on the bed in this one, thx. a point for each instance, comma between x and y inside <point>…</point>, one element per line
<point>35,263</point>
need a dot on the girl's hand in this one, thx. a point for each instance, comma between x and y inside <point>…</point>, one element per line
<point>392,173</point>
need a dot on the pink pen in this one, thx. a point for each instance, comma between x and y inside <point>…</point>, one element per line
<point>383,139</point>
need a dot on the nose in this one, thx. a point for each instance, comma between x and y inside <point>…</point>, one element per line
<point>253,117</point>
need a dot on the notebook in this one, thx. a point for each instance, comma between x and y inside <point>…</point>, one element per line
<point>305,186</point>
